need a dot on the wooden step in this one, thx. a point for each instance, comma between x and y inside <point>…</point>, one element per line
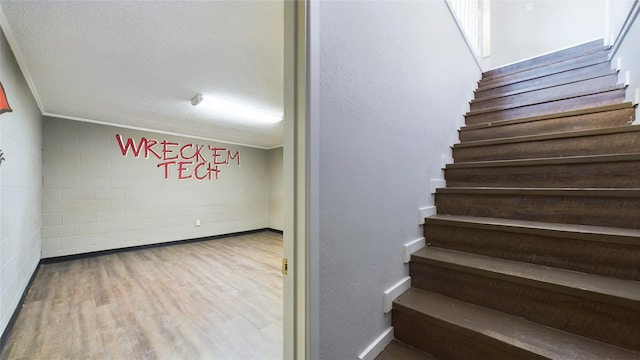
<point>583,119</point>
<point>578,100</point>
<point>544,94</point>
<point>599,207</point>
<point>397,350</point>
<point>452,329</point>
<point>557,56</point>
<point>566,300</point>
<point>600,67</point>
<point>596,171</point>
<point>615,140</point>
<point>605,251</point>
<point>551,69</point>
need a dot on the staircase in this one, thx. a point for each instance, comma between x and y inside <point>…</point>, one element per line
<point>535,249</point>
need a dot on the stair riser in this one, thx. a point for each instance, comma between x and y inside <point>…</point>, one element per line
<point>545,70</point>
<point>623,212</point>
<point>572,123</point>
<point>563,55</point>
<point>547,94</point>
<point>601,258</point>
<point>616,143</point>
<point>593,100</point>
<point>583,175</point>
<point>446,341</point>
<point>597,320</point>
<point>598,69</point>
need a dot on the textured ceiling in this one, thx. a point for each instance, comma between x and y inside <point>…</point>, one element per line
<point>138,63</point>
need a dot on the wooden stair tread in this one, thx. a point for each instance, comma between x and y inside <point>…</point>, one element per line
<point>509,271</point>
<point>543,60</point>
<point>550,136</point>
<point>565,231</point>
<point>555,69</point>
<point>577,94</point>
<point>397,350</point>
<point>584,111</point>
<point>538,339</point>
<point>575,73</point>
<point>610,290</point>
<point>603,192</point>
<point>607,158</point>
<point>539,87</point>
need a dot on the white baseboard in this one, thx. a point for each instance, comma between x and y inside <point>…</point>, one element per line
<point>411,247</point>
<point>393,292</point>
<point>446,159</point>
<point>377,345</point>
<point>424,212</point>
<point>437,183</point>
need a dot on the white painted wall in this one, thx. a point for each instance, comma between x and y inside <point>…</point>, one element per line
<point>390,83</point>
<point>617,11</point>
<point>20,186</point>
<point>628,48</point>
<point>95,199</point>
<point>276,190</point>
<point>527,28</point>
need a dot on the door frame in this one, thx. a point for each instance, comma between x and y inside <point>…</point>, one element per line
<point>295,181</point>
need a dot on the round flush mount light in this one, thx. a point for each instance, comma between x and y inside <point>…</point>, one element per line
<point>196,100</point>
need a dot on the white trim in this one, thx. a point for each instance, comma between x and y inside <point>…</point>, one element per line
<point>436,183</point>
<point>139,128</point>
<point>425,212</point>
<point>296,343</point>
<point>607,22</point>
<point>486,29</point>
<point>394,291</point>
<point>446,159</point>
<point>377,345</point>
<point>464,37</point>
<point>411,247</point>
<point>631,18</point>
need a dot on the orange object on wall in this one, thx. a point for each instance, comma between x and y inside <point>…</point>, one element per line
<point>4,104</point>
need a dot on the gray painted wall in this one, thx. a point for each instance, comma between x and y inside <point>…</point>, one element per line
<point>390,85</point>
<point>20,185</point>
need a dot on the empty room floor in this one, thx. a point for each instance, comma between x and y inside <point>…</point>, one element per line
<point>215,299</point>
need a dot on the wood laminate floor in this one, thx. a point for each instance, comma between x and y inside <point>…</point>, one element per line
<point>217,299</point>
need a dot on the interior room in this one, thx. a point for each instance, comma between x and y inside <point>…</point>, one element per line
<point>106,153</point>
<point>429,179</point>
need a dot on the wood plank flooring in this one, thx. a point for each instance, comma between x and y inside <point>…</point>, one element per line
<point>218,299</point>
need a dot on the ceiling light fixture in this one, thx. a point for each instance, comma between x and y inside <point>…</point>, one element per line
<point>229,107</point>
<point>196,100</point>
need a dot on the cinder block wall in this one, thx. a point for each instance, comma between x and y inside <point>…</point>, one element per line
<point>95,198</point>
<point>20,184</point>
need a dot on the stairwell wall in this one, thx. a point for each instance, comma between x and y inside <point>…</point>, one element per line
<point>20,186</point>
<point>525,29</point>
<point>391,85</point>
<point>627,49</point>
